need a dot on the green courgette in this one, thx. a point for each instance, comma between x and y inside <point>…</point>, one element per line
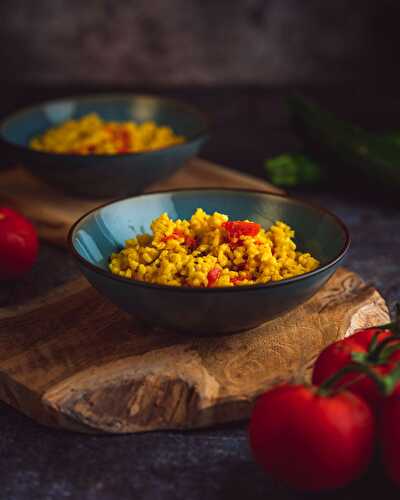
<point>345,148</point>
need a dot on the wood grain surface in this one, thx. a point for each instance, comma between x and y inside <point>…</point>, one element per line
<point>73,360</point>
<point>53,211</point>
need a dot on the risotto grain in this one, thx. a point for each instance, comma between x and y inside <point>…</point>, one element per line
<point>211,251</point>
<point>92,135</point>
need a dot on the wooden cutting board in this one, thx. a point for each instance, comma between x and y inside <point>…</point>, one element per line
<point>53,211</point>
<point>74,361</point>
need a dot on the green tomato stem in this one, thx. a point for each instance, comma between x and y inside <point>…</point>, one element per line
<point>378,353</point>
<point>381,353</point>
<point>328,386</point>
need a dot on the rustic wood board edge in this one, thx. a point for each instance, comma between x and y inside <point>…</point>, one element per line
<point>183,383</point>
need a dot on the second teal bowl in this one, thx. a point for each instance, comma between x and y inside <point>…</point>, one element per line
<point>103,175</point>
<point>206,311</point>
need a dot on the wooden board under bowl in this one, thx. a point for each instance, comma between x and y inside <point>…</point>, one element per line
<point>73,360</point>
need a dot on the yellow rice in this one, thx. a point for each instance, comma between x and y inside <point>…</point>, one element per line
<point>187,253</point>
<point>92,135</point>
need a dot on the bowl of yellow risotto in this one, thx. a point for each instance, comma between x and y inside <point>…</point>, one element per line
<point>208,261</point>
<point>104,145</point>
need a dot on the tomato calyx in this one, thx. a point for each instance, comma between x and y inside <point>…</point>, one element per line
<point>372,354</point>
<point>386,383</point>
<point>380,351</point>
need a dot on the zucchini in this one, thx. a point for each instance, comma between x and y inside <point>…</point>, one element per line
<point>349,150</point>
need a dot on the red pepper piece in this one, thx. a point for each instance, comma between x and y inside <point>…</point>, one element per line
<point>235,244</point>
<point>239,278</point>
<point>213,276</point>
<point>124,137</point>
<point>237,228</point>
<point>174,236</point>
<point>190,242</point>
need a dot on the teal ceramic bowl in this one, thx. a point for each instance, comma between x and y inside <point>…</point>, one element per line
<point>103,175</point>
<point>206,311</point>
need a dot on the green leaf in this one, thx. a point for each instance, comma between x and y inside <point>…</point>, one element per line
<point>290,170</point>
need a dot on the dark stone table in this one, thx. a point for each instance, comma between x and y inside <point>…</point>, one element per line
<point>250,124</point>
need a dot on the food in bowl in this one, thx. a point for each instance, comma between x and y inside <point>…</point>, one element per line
<point>211,251</point>
<point>90,134</point>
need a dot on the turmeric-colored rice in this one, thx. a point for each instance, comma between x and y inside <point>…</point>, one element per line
<point>92,135</point>
<point>211,251</point>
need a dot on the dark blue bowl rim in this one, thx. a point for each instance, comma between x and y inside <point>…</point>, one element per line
<point>203,130</point>
<point>244,288</point>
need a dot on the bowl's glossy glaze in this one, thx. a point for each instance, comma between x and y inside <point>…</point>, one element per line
<point>206,311</point>
<point>104,175</point>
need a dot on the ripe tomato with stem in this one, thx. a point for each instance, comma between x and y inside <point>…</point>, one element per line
<point>378,348</point>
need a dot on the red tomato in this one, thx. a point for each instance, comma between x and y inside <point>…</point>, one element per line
<point>190,242</point>
<point>238,228</point>
<point>339,354</point>
<point>213,276</point>
<point>238,279</point>
<point>390,436</point>
<point>18,244</point>
<point>309,441</point>
<point>124,139</point>
<point>175,235</point>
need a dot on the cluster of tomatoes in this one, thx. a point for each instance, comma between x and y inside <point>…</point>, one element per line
<point>324,436</point>
<point>18,244</point>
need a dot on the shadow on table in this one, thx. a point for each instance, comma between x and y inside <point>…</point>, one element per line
<point>247,481</point>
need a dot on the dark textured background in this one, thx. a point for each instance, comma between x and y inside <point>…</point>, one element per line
<point>204,42</point>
